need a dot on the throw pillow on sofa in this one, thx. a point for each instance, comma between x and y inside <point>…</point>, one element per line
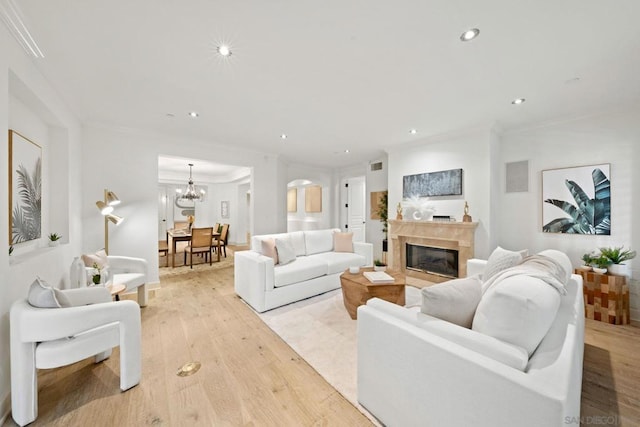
<point>268,248</point>
<point>454,301</point>
<point>342,242</point>
<point>286,252</point>
<point>499,260</point>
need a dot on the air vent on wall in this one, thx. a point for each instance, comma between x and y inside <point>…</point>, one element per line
<point>376,166</point>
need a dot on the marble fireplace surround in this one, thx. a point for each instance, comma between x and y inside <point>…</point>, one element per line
<point>439,234</point>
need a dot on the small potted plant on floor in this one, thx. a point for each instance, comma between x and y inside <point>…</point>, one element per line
<point>379,265</point>
<point>617,256</point>
<point>54,239</point>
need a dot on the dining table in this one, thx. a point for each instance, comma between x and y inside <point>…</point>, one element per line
<point>184,235</point>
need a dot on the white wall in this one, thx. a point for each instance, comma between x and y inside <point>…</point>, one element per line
<point>469,151</point>
<point>31,106</point>
<point>126,162</point>
<point>612,138</point>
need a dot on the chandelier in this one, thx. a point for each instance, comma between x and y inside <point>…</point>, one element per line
<point>191,193</point>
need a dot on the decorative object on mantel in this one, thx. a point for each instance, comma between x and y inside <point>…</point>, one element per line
<point>421,209</point>
<point>617,256</point>
<point>591,213</point>
<point>466,217</point>
<point>443,218</point>
<point>441,183</point>
<point>54,239</point>
<point>399,211</point>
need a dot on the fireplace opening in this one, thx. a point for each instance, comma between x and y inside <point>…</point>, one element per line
<point>443,262</point>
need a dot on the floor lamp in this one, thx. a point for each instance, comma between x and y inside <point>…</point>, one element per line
<point>106,207</point>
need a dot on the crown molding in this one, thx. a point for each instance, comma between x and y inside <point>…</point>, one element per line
<point>12,18</point>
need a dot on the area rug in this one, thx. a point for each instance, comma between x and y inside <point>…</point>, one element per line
<point>320,330</point>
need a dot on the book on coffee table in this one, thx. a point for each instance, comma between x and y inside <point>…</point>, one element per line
<point>378,277</point>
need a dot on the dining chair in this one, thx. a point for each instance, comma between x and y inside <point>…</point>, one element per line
<point>201,243</point>
<point>180,225</point>
<point>224,236</point>
<point>163,249</point>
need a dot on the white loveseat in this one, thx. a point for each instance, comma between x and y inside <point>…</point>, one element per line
<point>417,370</point>
<point>316,269</point>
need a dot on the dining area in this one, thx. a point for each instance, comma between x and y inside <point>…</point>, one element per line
<point>186,244</point>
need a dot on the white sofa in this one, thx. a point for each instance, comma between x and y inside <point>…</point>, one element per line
<point>316,269</point>
<point>416,370</point>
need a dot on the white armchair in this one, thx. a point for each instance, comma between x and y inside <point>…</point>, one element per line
<point>128,271</point>
<point>44,338</point>
<point>131,272</point>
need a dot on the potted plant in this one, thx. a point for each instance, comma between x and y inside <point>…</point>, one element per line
<point>379,265</point>
<point>54,239</point>
<point>383,207</point>
<point>96,276</point>
<point>617,256</point>
<point>587,259</point>
<point>600,264</point>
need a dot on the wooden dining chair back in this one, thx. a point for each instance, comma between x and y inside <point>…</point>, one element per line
<point>224,236</point>
<point>163,249</point>
<point>201,243</point>
<point>180,225</point>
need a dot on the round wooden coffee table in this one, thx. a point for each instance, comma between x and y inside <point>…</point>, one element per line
<point>357,290</point>
<point>116,289</point>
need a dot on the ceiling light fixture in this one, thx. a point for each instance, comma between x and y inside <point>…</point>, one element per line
<point>470,35</point>
<point>224,50</point>
<point>190,193</point>
<point>194,114</point>
<point>413,131</point>
<point>283,136</point>
<point>518,101</point>
<point>347,151</point>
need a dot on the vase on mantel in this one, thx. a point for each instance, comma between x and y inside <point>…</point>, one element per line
<point>619,270</point>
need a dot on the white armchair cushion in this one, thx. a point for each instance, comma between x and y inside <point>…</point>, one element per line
<point>518,310</point>
<point>454,301</point>
<point>42,295</point>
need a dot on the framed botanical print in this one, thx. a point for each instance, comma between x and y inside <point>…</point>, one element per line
<point>25,189</point>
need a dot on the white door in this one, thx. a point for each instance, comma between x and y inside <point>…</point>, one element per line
<point>162,213</point>
<point>356,208</point>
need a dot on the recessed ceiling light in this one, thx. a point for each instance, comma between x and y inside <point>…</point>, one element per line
<point>283,136</point>
<point>469,34</point>
<point>518,101</point>
<point>224,50</point>
<point>193,114</point>
<point>413,131</point>
<point>346,151</point>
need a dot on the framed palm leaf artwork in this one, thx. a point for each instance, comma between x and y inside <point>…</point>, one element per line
<point>577,200</point>
<point>25,189</point>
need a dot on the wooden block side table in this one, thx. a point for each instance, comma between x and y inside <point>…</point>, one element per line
<point>606,297</point>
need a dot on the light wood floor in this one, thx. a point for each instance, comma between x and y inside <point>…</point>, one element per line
<point>250,377</point>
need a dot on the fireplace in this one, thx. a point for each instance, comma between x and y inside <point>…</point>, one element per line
<point>450,243</point>
<point>428,259</point>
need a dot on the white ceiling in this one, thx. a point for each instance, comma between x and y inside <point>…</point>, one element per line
<point>176,169</point>
<point>336,74</point>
